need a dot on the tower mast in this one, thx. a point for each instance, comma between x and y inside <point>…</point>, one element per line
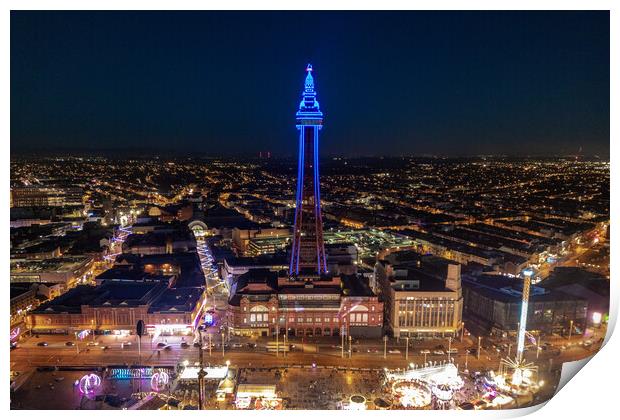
<point>308,249</point>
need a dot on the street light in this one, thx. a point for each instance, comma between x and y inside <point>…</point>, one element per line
<point>385,346</point>
<point>570,330</point>
<point>466,358</point>
<point>201,372</point>
<point>478,355</point>
<point>350,352</point>
<point>223,350</point>
<point>407,348</point>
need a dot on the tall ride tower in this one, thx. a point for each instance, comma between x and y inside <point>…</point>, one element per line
<point>308,251</point>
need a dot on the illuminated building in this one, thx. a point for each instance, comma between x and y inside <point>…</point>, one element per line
<point>308,251</point>
<point>116,307</point>
<point>422,295</point>
<point>267,303</point>
<point>306,301</point>
<point>46,196</point>
<point>492,305</point>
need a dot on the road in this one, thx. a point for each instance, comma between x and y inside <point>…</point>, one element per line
<point>325,352</point>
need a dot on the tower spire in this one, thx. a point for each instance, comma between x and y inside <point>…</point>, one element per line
<point>308,103</point>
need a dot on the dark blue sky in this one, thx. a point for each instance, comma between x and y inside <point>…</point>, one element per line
<point>389,83</point>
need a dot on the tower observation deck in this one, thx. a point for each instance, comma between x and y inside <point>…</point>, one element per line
<point>308,250</point>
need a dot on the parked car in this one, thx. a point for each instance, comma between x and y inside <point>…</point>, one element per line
<point>425,352</point>
<point>69,344</point>
<point>438,352</point>
<point>42,344</point>
<point>184,345</point>
<point>160,345</point>
<point>394,351</point>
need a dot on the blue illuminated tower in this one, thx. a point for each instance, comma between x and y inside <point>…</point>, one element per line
<point>308,251</point>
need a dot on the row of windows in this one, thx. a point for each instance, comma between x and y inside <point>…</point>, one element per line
<point>354,318</point>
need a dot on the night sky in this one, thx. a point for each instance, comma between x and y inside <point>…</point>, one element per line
<point>389,83</point>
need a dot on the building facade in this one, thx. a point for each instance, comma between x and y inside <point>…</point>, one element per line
<point>421,298</point>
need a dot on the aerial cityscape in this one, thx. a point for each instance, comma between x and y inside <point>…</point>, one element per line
<point>288,280</point>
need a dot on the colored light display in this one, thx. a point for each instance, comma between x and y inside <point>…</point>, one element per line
<point>89,384</point>
<point>209,319</point>
<point>159,381</point>
<point>523,318</point>
<point>15,333</point>
<point>308,249</point>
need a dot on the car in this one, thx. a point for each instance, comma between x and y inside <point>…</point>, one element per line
<point>197,344</point>
<point>69,344</point>
<point>184,345</point>
<point>394,351</point>
<point>160,345</point>
<point>237,345</point>
<point>105,347</point>
<point>466,406</point>
<point>453,351</point>
<point>425,352</point>
<point>373,351</point>
<point>438,352</point>
<point>252,345</point>
<point>587,343</point>
<point>472,350</point>
<point>168,347</point>
<point>42,344</point>
<point>479,404</point>
<point>93,343</point>
<point>14,346</point>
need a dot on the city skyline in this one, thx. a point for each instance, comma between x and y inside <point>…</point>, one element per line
<point>179,281</point>
<point>525,83</point>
